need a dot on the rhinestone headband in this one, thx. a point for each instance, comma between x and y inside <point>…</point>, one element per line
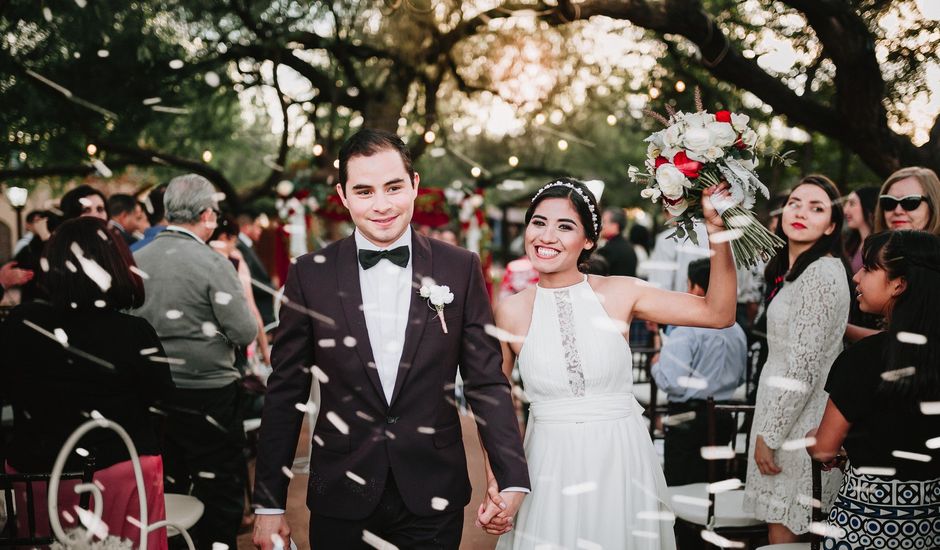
<point>589,204</point>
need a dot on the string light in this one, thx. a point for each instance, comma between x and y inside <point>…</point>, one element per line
<point>317,150</point>
<point>336,164</point>
<point>562,145</point>
<point>611,120</point>
<point>680,86</point>
<point>476,171</point>
<point>514,161</point>
<point>429,137</point>
<point>91,149</point>
<point>207,156</point>
<point>654,92</point>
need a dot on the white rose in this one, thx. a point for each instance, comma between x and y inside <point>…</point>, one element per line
<point>697,140</point>
<point>656,138</point>
<point>672,136</point>
<point>739,122</point>
<point>698,120</point>
<point>713,153</point>
<point>749,137</point>
<point>672,182</point>
<point>441,295</point>
<point>651,193</point>
<point>653,150</point>
<point>722,134</point>
<point>678,208</point>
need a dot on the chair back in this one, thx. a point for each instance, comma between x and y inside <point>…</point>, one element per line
<point>10,484</point>
<point>736,463</point>
<point>643,374</point>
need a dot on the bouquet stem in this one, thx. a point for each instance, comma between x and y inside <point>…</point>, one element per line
<point>750,240</point>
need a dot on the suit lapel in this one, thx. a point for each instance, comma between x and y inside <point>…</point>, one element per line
<point>418,310</point>
<point>350,293</point>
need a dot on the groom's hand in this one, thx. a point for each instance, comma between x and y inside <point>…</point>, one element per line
<point>497,514</point>
<point>268,528</point>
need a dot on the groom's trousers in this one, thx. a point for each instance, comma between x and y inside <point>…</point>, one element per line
<point>390,521</point>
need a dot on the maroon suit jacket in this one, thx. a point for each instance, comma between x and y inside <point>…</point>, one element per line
<point>418,435</point>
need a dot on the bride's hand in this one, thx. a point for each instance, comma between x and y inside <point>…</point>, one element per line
<point>708,208</point>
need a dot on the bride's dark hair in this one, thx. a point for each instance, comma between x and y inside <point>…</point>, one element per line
<point>584,204</point>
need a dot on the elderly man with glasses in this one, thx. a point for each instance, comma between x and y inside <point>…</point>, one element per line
<point>196,304</point>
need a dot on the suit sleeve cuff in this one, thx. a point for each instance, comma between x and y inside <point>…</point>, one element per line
<point>268,511</point>
<point>516,490</point>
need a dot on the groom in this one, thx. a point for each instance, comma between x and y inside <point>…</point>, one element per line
<point>387,459</point>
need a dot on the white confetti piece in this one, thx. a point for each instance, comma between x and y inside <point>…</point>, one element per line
<point>644,534</point>
<point>47,14</point>
<point>895,375</point>
<point>81,452</point>
<point>92,522</point>
<point>933,443</point>
<point>319,259</point>
<point>726,236</point>
<point>100,303</point>
<point>318,440</point>
<point>206,475</point>
<point>721,452</point>
<point>718,540</point>
<point>693,382</point>
<point>212,79</point>
<point>209,328</point>
<point>912,338</point>
<point>173,314</point>
<point>724,485</point>
<point>579,488</point>
<point>365,416</point>
<point>222,298</point>
<point>326,343</point>
<point>355,478</point>
<point>302,407</point>
<point>219,546</point>
<point>739,221</point>
<point>389,435</point>
<point>787,384</point>
<point>338,422</point>
<point>102,168</point>
<point>930,407</point>
<point>286,471</point>
<point>918,457</point>
<point>176,64</point>
<point>681,418</point>
<point>503,335</point>
<point>807,500</point>
<point>152,101</point>
<point>426,430</point>
<point>795,444</point>
<point>61,336</point>
<point>168,360</point>
<point>70,266</point>
<point>439,503</point>
<point>656,515</point>
<point>139,272</point>
<point>149,351</point>
<point>584,544</point>
<point>319,374</point>
<point>692,501</point>
<point>44,264</point>
<point>376,541</point>
<point>349,342</point>
<point>825,529</point>
<point>876,471</point>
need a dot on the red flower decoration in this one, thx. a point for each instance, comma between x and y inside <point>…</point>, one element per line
<point>687,166</point>
<point>660,160</point>
<point>723,116</point>
<point>739,143</point>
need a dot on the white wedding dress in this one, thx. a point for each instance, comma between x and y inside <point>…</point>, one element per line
<point>596,479</point>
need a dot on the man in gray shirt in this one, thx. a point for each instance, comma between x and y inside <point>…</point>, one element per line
<point>196,304</point>
<point>695,364</point>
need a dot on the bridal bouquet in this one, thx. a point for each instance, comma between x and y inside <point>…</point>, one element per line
<point>700,150</point>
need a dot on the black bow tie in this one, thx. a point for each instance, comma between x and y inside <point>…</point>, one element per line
<point>398,256</point>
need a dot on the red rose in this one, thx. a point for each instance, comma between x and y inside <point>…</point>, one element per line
<point>660,160</point>
<point>723,116</point>
<point>739,143</point>
<point>687,166</point>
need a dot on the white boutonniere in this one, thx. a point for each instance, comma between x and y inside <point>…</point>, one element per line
<point>438,296</point>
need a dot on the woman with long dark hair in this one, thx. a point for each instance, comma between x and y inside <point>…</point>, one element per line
<point>806,317</point>
<point>883,396</point>
<point>78,353</point>
<point>859,209</point>
<point>594,471</point>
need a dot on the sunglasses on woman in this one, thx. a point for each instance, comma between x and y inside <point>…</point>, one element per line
<point>909,203</point>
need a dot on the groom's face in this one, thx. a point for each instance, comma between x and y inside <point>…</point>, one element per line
<point>379,195</point>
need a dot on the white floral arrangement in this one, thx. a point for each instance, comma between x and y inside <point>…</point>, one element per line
<point>700,150</point>
<point>438,296</point>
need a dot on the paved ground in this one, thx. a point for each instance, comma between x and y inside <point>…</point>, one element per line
<point>473,538</point>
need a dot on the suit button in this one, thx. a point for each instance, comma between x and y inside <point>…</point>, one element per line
<point>391,419</point>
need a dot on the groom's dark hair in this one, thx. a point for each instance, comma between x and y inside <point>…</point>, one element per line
<point>367,142</point>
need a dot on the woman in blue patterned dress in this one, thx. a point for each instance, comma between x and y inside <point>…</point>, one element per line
<point>884,403</point>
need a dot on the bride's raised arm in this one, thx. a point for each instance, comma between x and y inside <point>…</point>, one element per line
<point>716,309</point>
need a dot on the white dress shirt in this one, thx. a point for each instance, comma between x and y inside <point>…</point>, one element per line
<point>386,299</point>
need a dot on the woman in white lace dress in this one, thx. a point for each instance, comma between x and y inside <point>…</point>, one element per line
<point>806,317</point>
<point>596,479</point>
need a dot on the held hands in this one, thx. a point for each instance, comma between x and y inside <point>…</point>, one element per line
<point>496,512</point>
<point>764,457</point>
<point>269,528</point>
<point>10,275</point>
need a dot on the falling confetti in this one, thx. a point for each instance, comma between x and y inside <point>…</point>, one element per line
<point>149,351</point>
<point>376,541</point>
<point>656,515</point>
<point>286,471</point>
<point>222,298</point>
<point>152,101</point>
<point>726,236</point>
<point>876,471</point>
<point>439,504</point>
<point>61,336</point>
<point>930,407</point>
<point>787,384</point>
<point>173,314</point>
<point>338,422</point>
<point>911,456</point>
<point>895,375</point>
<point>318,373</point>
<point>718,540</point>
<point>676,419</point>
<point>426,430</point>
<point>81,452</point>
<point>206,475</point>
<point>912,338</point>
<point>692,501</point>
<point>209,329</point>
<point>583,544</point>
<point>100,303</point>
<point>724,485</point>
<point>795,444</point>
<point>503,335</point>
<point>176,64</point>
<point>933,443</point>
<point>212,79</point>
<point>319,259</point>
<point>824,529</point>
<point>579,488</point>
<point>355,478</point>
<point>326,343</point>
<point>693,382</point>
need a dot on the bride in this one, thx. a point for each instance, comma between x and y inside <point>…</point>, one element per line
<point>596,479</point>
